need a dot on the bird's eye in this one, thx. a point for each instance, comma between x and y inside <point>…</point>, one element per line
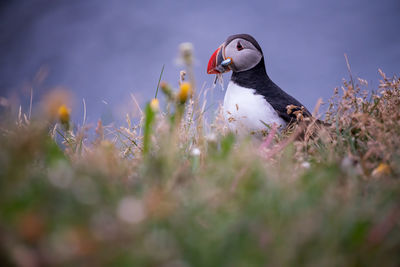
<point>239,46</point>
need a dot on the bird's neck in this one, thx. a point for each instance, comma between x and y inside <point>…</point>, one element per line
<point>254,78</point>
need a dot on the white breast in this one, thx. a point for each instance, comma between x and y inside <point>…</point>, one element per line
<point>246,112</point>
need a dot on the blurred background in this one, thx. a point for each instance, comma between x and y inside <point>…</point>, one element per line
<point>105,50</point>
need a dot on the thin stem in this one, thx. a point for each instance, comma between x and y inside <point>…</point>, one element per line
<point>159,80</point>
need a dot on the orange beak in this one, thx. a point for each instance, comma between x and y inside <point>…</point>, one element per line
<point>212,63</point>
<point>218,63</point>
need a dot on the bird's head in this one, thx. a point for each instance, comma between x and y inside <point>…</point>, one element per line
<point>240,52</point>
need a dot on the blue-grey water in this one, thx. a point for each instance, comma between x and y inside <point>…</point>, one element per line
<point>105,50</point>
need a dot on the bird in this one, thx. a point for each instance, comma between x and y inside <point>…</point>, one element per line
<point>252,102</point>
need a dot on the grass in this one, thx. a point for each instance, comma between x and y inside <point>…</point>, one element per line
<point>173,190</point>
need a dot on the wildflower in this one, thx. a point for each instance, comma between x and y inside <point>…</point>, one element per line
<point>184,92</point>
<point>155,105</point>
<point>306,165</point>
<point>166,89</point>
<point>57,103</point>
<point>195,152</point>
<point>63,114</point>
<point>186,50</point>
<point>382,170</point>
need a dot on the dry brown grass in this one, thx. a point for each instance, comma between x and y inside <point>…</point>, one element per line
<point>174,190</point>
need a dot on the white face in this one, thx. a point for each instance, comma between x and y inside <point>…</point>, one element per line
<point>243,53</point>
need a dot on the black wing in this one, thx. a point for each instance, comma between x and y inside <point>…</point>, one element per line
<point>257,78</point>
<point>279,100</point>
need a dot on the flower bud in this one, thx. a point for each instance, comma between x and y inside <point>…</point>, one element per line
<point>166,89</point>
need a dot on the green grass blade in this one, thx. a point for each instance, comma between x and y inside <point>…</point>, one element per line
<point>159,80</point>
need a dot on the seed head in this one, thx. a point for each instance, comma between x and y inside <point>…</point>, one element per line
<point>186,50</point>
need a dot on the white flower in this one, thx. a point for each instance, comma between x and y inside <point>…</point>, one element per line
<point>306,165</point>
<point>195,152</point>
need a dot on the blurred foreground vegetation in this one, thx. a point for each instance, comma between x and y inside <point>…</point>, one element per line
<point>173,190</point>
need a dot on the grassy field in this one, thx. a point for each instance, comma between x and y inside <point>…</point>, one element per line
<point>174,190</point>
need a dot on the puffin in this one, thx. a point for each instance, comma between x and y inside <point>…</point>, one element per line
<point>252,102</point>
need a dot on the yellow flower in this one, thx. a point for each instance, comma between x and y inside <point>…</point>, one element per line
<point>184,92</point>
<point>63,114</point>
<point>53,101</point>
<point>383,169</point>
<point>155,105</point>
